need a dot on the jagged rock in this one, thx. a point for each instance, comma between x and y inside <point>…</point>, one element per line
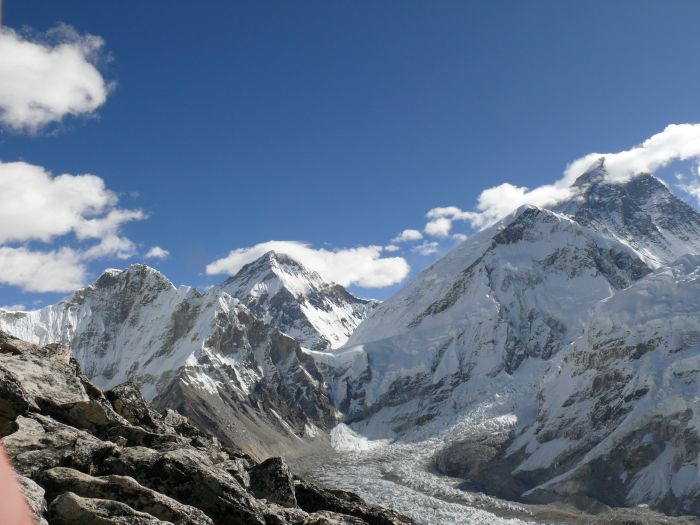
<point>237,467</point>
<point>127,401</point>
<point>39,379</point>
<point>41,443</point>
<point>331,518</point>
<point>273,481</point>
<point>124,489</point>
<point>313,498</point>
<point>13,401</point>
<point>34,494</point>
<point>189,476</point>
<point>97,466</point>
<point>70,509</point>
<point>10,344</point>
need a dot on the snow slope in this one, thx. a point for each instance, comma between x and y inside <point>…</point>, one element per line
<point>519,290</point>
<point>619,415</point>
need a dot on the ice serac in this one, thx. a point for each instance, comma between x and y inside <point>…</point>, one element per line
<point>619,415</point>
<point>298,301</point>
<point>202,353</point>
<point>641,212</point>
<point>515,293</point>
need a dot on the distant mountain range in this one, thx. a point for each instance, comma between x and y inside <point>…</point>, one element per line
<point>555,353</point>
<point>219,356</point>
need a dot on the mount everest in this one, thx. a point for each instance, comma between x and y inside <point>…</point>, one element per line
<point>552,355</point>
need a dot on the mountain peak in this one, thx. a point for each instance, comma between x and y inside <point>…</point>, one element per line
<point>300,302</point>
<point>270,273</point>
<point>596,172</point>
<point>641,212</point>
<point>138,273</point>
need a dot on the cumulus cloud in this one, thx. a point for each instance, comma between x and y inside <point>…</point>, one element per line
<point>39,206</point>
<point>41,271</point>
<point>48,78</point>
<point>363,266</point>
<point>36,206</point>
<point>677,142</point>
<point>407,235</point>
<point>156,252</point>
<point>391,248</point>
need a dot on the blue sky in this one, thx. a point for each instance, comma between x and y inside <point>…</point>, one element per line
<point>340,124</point>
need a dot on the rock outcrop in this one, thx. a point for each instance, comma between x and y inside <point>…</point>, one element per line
<point>84,456</point>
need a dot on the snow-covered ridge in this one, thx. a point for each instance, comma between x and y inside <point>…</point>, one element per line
<point>624,403</point>
<point>520,289</point>
<point>184,348</point>
<point>641,212</point>
<point>282,292</point>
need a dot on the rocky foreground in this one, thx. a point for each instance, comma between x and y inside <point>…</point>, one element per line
<point>84,456</point>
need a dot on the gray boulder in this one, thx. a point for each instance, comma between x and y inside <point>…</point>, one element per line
<point>124,489</point>
<point>273,481</point>
<point>70,509</point>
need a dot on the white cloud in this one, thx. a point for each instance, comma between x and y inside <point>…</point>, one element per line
<point>676,142</point>
<point>156,252</point>
<point>426,248</point>
<point>44,82</point>
<point>362,266</point>
<point>407,235</point>
<point>110,245</point>
<point>391,248</point>
<point>41,271</point>
<point>37,206</point>
<point>460,237</point>
<point>439,226</point>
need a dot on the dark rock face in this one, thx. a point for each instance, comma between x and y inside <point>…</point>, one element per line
<point>273,481</point>
<point>90,458</point>
<point>313,498</point>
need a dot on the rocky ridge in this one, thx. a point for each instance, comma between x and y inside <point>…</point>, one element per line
<point>202,353</point>
<point>92,457</point>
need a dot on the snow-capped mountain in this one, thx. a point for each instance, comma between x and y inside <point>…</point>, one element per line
<point>552,356</point>
<point>641,212</point>
<point>521,289</point>
<point>619,415</point>
<point>202,353</point>
<point>299,302</point>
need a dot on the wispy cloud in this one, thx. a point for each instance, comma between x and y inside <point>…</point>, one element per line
<point>426,248</point>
